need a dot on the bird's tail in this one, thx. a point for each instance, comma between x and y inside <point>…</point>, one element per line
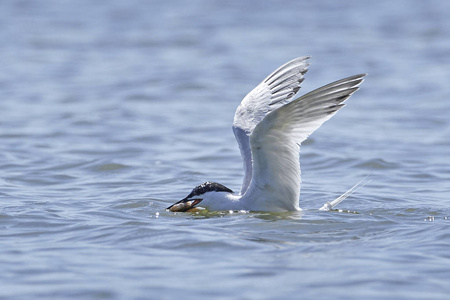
<point>330,205</point>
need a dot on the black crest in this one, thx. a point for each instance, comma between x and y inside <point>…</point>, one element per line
<point>208,187</point>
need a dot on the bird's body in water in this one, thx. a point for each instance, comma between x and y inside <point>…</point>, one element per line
<point>269,126</point>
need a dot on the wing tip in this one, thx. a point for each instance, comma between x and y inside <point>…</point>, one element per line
<point>300,58</point>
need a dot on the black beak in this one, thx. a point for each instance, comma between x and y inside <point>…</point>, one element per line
<point>184,205</point>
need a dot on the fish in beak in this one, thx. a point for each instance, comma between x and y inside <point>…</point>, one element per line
<point>184,205</point>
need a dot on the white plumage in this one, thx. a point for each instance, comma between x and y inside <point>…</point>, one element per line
<point>269,127</point>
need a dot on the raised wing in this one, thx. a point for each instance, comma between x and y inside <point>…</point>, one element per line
<point>275,183</point>
<point>273,92</point>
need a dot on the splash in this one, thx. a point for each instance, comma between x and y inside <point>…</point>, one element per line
<point>330,205</point>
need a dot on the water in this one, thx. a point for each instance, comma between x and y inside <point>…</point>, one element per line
<point>111,111</point>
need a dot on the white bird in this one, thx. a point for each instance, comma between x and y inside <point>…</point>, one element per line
<point>269,127</point>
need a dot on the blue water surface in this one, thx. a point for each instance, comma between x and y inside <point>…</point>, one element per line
<point>113,110</point>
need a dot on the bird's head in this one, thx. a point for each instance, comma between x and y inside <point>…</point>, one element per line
<point>205,193</point>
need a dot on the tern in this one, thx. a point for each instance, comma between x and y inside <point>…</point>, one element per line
<point>269,126</point>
